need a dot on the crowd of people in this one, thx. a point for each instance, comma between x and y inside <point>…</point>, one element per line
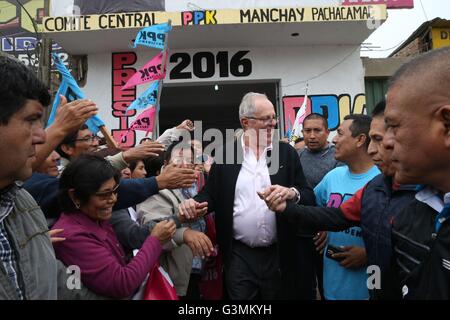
<point>365,216</point>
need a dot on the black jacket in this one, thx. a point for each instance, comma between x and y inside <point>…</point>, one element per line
<point>421,257</point>
<point>379,204</point>
<point>219,192</point>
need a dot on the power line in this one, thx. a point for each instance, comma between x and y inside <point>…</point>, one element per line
<point>423,9</point>
<point>387,48</point>
<point>324,72</point>
<point>33,22</point>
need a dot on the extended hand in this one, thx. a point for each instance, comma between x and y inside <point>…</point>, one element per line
<point>191,209</point>
<point>275,200</point>
<point>175,177</point>
<point>199,243</point>
<point>164,230</point>
<point>186,124</point>
<point>70,116</point>
<point>54,239</point>
<point>277,191</point>
<point>144,150</point>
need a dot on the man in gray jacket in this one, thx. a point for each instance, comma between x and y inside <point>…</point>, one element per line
<point>317,160</point>
<point>29,269</point>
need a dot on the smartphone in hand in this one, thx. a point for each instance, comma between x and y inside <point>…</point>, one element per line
<point>332,250</point>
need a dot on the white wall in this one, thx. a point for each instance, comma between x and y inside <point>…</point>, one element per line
<point>61,7</point>
<point>289,64</point>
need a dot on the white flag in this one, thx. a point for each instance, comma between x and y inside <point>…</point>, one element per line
<point>298,123</point>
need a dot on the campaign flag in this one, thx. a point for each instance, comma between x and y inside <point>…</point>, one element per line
<point>148,98</point>
<point>70,89</point>
<point>289,130</point>
<point>298,123</point>
<point>151,71</point>
<point>145,121</point>
<point>153,36</point>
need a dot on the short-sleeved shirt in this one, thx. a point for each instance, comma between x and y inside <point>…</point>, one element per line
<point>335,188</point>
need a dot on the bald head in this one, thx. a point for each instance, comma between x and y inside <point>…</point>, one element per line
<point>418,120</point>
<point>425,74</point>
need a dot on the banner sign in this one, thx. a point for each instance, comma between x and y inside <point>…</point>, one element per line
<point>214,17</point>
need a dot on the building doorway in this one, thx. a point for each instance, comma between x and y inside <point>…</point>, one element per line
<point>215,104</point>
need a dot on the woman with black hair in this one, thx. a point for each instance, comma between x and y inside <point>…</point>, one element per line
<point>88,192</point>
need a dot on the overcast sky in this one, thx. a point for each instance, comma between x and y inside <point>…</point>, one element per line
<point>401,23</point>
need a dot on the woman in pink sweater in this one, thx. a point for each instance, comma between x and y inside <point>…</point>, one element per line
<point>88,192</point>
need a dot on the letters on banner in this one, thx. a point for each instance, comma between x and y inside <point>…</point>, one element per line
<point>153,36</point>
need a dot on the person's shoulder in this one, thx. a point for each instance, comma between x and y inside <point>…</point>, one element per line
<point>39,179</point>
<point>77,226</point>
<point>286,145</point>
<point>303,152</point>
<point>286,149</point>
<point>28,210</point>
<point>24,201</point>
<point>165,198</point>
<point>342,170</point>
<point>68,223</point>
<point>333,174</point>
<point>378,180</point>
<point>330,150</point>
<point>374,171</point>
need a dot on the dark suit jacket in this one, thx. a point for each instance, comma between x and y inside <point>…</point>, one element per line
<point>219,193</point>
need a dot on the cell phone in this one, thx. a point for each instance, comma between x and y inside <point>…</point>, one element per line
<point>332,250</point>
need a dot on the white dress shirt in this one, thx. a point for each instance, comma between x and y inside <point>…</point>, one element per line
<point>253,222</point>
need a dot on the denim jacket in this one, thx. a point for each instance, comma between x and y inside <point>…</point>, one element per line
<point>41,275</point>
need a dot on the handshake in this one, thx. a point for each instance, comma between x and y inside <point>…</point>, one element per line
<point>276,196</point>
<point>190,210</point>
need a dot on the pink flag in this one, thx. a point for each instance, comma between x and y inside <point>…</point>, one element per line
<point>150,72</point>
<point>144,122</point>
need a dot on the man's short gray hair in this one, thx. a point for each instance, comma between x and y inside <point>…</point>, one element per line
<point>247,106</point>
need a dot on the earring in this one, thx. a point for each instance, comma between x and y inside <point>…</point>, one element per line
<point>77,205</point>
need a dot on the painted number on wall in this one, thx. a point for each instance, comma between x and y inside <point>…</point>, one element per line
<point>204,65</point>
<point>29,59</point>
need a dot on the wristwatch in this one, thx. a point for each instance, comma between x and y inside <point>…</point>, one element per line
<point>297,195</point>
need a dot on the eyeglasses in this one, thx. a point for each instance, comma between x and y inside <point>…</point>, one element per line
<point>265,120</point>
<point>89,139</point>
<point>107,194</point>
